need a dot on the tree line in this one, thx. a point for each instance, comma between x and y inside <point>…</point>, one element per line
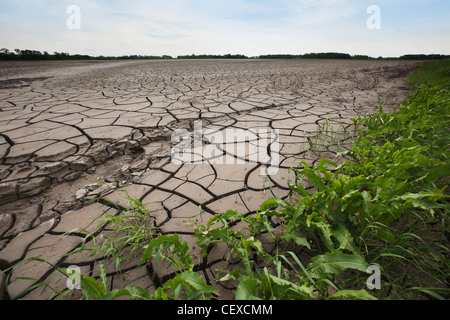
<point>211,56</point>
<point>18,54</point>
<point>26,54</point>
<point>337,55</point>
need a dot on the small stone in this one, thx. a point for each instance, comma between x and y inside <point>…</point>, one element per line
<point>132,144</point>
<point>91,170</point>
<point>72,176</point>
<point>82,164</point>
<point>136,135</point>
<point>102,189</point>
<point>100,155</point>
<point>93,186</point>
<point>144,141</point>
<point>110,149</point>
<point>81,193</point>
<point>139,165</point>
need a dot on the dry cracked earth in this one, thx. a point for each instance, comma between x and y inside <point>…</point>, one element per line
<point>74,132</point>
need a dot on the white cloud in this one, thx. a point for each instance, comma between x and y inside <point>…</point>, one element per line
<point>250,27</point>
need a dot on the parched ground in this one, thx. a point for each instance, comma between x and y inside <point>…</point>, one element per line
<point>65,126</point>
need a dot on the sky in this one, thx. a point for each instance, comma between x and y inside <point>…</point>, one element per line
<point>249,27</point>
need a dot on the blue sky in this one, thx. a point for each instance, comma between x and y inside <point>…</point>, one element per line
<point>250,27</point>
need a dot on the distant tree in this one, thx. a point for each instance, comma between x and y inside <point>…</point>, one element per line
<point>322,55</point>
<point>424,57</point>
<point>30,55</point>
<point>5,54</point>
<point>26,54</point>
<point>279,56</point>
<point>361,57</point>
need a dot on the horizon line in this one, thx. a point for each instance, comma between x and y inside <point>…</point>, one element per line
<point>28,54</point>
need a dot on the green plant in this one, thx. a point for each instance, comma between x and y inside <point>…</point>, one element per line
<point>185,284</point>
<point>330,135</point>
<point>128,231</point>
<point>255,278</point>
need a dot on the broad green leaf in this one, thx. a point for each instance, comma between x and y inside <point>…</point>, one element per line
<point>440,171</point>
<point>115,294</point>
<point>324,163</point>
<point>273,203</point>
<point>345,239</point>
<point>92,287</point>
<point>137,293</point>
<point>334,263</point>
<point>386,235</point>
<point>316,221</point>
<point>314,178</point>
<point>431,292</point>
<point>421,195</point>
<point>299,211</point>
<point>400,188</point>
<point>196,281</point>
<point>299,189</point>
<point>297,238</point>
<point>169,248</point>
<point>247,289</point>
<point>287,289</point>
<point>160,294</point>
<point>354,294</point>
<point>258,245</point>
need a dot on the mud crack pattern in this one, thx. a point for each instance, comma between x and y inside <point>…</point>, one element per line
<point>62,128</point>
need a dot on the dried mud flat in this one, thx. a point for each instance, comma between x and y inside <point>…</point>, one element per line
<point>65,124</point>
